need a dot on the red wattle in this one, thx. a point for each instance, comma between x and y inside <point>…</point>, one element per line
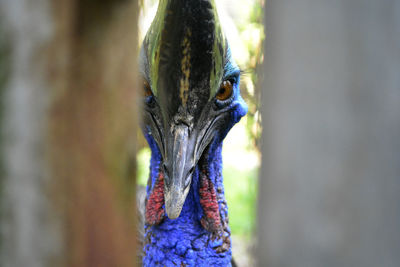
<point>154,206</point>
<point>211,220</point>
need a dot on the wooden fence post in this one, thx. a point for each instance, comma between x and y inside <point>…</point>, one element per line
<point>330,181</point>
<point>68,128</point>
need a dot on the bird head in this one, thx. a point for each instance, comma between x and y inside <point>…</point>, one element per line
<point>191,94</point>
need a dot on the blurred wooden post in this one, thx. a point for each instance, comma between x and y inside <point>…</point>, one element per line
<point>68,129</point>
<point>330,181</point>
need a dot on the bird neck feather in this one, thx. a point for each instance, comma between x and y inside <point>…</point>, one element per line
<point>200,235</point>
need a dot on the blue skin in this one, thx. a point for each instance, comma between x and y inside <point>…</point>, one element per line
<point>184,240</point>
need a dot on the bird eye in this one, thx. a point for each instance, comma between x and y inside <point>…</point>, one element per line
<point>225,91</point>
<point>146,89</point>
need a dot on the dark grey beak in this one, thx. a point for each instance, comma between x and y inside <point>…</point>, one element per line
<point>179,167</point>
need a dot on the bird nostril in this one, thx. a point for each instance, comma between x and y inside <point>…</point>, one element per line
<point>188,177</point>
<point>165,170</point>
<point>191,170</point>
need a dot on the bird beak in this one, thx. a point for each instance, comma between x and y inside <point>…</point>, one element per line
<point>178,170</point>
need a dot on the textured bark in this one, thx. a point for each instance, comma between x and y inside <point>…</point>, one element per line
<point>68,124</point>
<point>330,183</point>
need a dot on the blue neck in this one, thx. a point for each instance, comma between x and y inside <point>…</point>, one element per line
<point>190,239</point>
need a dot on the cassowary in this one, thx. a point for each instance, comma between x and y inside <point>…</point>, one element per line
<point>191,100</point>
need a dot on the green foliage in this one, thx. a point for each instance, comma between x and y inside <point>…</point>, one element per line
<point>241,194</point>
<point>252,35</point>
<point>143,166</point>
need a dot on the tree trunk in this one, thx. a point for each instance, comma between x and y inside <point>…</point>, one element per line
<point>68,129</point>
<point>330,183</point>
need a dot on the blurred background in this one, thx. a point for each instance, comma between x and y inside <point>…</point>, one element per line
<point>323,87</point>
<point>330,180</point>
